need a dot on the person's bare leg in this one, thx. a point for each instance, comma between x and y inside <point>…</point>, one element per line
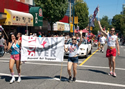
<point>74,69</point>
<point>113,63</point>
<point>110,63</point>
<point>18,70</point>
<point>11,64</point>
<point>18,66</point>
<point>69,68</point>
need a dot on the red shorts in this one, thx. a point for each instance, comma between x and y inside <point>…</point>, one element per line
<point>15,57</point>
<point>111,52</point>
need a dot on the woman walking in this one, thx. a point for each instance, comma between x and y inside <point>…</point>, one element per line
<point>73,56</point>
<point>112,42</point>
<point>14,46</point>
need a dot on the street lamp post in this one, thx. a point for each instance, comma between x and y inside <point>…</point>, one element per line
<point>73,18</point>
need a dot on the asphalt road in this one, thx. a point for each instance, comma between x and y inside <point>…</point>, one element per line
<point>93,74</point>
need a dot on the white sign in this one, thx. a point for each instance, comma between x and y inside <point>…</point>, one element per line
<point>42,48</point>
<point>67,27</point>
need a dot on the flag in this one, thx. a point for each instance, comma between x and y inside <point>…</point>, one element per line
<point>93,17</point>
<point>1,28</point>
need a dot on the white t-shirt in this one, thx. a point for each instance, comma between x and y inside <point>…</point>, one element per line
<point>111,40</point>
<point>102,40</point>
<point>73,49</point>
<point>2,42</point>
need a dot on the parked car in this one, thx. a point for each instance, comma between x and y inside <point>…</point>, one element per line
<point>84,49</point>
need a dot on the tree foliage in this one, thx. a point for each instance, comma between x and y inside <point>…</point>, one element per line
<point>118,22</point>
<point>96,28</point>
<point>53,10</point>
<point>81,10</point>
<point>105,22</point>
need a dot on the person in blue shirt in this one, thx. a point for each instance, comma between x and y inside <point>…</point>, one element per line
<point>14,46</point>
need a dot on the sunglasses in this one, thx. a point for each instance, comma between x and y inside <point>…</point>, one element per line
<point>112,30</point>
<point>73,39</point>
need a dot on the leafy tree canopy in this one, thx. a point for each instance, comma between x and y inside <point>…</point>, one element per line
<point>81,10</point>
<point>105,22</point>
<point>53,10</point>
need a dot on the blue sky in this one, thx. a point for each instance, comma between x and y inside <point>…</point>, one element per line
<point>107,7</point>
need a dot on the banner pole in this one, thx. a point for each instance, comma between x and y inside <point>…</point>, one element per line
<point>98,13</point>
<point>5,34</point>
<point>61,70</point>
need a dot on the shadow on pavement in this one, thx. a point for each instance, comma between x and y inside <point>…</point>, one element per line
<point>8,78</point>
<point>98,71</point>
<point>63,79</point>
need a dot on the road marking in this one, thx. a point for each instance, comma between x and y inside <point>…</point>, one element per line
<point>87,66</point>
<point>4,58</point>
<point>88,58</point>
<point>46,61</point>
<point>62,79</point>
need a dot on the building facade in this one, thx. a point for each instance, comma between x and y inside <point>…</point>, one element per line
<point>30,2</point>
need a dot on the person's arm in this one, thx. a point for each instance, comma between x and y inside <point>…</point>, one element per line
<point>9,45</point>
<point>80,42</point>
<point>117,45</point>
<point>66,49</point>
<point>19,42</point>
<point>102,29</point>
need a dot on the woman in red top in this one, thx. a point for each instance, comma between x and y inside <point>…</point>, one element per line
<point>19,36</point>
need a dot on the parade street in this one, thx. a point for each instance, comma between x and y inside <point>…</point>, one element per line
<point>91,74</point>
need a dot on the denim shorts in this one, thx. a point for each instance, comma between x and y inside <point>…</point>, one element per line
<point>73,59</point>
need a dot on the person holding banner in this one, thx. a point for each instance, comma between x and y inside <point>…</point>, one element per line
<point>73,56</point>
<point>14,46</point>
<point>112,42</point>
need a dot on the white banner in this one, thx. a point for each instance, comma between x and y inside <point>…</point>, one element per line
<point>42,48</point>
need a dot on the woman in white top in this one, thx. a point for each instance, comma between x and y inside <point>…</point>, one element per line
<point>73,56</point>
<point>112,42</point>
<point>102,40</point>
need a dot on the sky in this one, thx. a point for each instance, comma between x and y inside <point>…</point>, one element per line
<point>106,7</point>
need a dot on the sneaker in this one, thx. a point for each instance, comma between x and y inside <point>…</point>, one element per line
<point>12,80</point>
<point>70,77</point>
<point>110,73</point>
<point>102,51</point>
<point>74,79</point>
<point>19,79</point>
<point>114,75</point>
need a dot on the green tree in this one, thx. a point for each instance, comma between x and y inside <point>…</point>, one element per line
<point>96,28</point>
<point>105,22</point>
<point>116,21</point>
<point>53,10</point>
<point>81,10</point>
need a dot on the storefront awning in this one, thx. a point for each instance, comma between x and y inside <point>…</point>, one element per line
<point>17,18</point>
<point>3,16</point>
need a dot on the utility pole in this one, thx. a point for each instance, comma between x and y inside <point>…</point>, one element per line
<point>70,10</point>
<point>73,17</point>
